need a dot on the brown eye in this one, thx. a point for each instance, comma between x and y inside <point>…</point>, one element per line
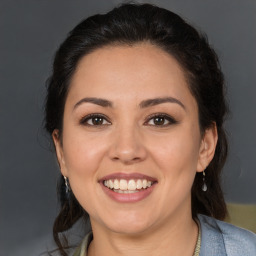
<point>160,120</point>
<point>95,120</point>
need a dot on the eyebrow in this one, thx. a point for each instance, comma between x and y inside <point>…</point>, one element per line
<point>157,101</point>
<point>143,104</point>
<point>97,101</point>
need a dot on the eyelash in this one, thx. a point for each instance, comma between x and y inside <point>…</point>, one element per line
<point>84,120</point>
<point>171,120</point>
<point>166,117</point>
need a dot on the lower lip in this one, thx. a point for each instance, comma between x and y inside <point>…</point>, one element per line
<point>128,198</point>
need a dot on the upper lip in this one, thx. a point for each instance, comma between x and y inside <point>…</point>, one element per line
<point>127,176</point>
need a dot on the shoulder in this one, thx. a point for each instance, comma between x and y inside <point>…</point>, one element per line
<point>225,238</point>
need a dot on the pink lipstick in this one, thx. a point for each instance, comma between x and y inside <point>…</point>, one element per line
<point>127,188</point>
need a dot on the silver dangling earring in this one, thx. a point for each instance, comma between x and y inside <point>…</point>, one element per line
<point>204,187</point>
<point>67,185</point>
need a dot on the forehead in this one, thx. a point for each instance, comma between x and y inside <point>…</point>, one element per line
<point>141,70</point>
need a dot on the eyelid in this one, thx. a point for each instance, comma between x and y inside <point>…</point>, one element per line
<point>169,118</point>
<point>163,115</point>
<point>84,119</point>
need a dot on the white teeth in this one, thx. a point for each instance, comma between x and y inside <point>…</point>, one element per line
<point>131,185</point>
<point>139,184</point>
<point>116,184</point>
<point>144,183</point>
<point>110,184</point>
<point>123,184</point>
<point>125,191</point>
<point>127,186</point>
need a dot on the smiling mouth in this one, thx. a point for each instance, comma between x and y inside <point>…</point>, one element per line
<point>124,186</point>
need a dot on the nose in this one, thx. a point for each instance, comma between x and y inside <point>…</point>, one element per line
<point>127,146</point>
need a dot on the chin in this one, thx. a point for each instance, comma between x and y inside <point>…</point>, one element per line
<point>135,229</point>
<point>130,225</point>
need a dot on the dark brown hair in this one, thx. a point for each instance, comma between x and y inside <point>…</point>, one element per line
<point>127,25</point>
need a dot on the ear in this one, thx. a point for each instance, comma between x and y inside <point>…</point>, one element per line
<point>207,147</point>
<point>59,152</point>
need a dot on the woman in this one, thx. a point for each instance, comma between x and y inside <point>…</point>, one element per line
<point>135,107</point>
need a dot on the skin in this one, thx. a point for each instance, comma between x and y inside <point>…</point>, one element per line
<point>129,141</point>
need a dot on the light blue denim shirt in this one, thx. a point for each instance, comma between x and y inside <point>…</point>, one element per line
<point>218,238</point>
<point>223,239</point>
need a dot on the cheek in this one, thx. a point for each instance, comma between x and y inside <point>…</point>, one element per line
<point>176,156</point>
<point>176,153</point>
<point>83,154</point>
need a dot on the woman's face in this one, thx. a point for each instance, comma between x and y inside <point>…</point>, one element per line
<point>130,122</point>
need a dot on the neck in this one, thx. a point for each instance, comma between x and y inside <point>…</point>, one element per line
<point>176,236</point>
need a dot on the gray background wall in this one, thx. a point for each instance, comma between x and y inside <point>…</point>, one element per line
<point>30,32</point>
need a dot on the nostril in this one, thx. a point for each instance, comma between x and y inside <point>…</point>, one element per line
<point>127,151</point>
